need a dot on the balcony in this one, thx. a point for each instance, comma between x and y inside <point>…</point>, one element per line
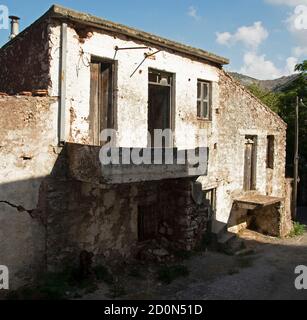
<point>85,165</point>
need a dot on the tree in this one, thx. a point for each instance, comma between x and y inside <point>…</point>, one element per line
<point>271,99</point>
<point>302,67</point>
<point>283,103</point>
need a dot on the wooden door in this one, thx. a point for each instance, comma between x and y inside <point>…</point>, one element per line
<point>250,164</point>
<point>101,100</point>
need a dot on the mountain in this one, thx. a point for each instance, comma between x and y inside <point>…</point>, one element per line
<point>270,85</point>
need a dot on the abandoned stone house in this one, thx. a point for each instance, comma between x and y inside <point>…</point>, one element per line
<point>69,76</point>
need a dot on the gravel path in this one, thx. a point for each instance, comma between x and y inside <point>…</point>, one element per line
<point>267,274</point>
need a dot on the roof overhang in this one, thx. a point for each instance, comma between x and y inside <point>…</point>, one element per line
<point>60,12</point>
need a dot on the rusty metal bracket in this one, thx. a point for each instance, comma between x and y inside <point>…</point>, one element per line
<point>127,48</point>
<point>146,56</point>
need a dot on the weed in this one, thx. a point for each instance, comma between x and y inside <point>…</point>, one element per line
<point>168,274</point>
<point>103,274</point>
<point>298,230</point>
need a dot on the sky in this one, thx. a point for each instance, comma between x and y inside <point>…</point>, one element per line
<point>264,39</point>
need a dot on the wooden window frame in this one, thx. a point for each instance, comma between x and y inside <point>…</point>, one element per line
<point>270,152</point>
<point>202,100</point>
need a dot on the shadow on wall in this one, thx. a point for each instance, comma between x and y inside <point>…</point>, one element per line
<point>46,222</point>
<point>23,224</point>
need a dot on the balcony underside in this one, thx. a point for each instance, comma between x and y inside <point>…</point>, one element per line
<point>85,165</point>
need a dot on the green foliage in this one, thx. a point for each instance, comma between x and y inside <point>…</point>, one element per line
<point>302,67</point>
<point>283,103</point>
<point>298,230</point>
<point>269,98</point>
<point>103,274</point>
<point>168,274</point>
<point>52,286</point>
<point>63,285</point>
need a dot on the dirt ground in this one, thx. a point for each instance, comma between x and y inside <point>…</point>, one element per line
<point>266,273</point>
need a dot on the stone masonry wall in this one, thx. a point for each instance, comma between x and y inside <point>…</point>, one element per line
<point>24,62</point>
<point>240,114</point>
<point>104,220</point>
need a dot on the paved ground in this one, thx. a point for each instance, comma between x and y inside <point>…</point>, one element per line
<point>268,273</point>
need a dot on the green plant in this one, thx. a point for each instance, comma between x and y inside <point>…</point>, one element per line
<point>103,274</point>
<point>168,274</point>
<point>298,230</point>
<point>117,289</point>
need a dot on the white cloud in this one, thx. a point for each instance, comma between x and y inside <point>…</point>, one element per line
<point>224,38</point>
<point>300,52</point>
<point>291,3</point>
<point>251,36</point>
<point>291,63</point>
<point>259,67</point>
<point>297,25</point>
<point>192,12</point>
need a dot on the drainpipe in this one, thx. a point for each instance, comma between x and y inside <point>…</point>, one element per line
<point>62,89</point>
<point>14,26</point>
<point>296,161</point>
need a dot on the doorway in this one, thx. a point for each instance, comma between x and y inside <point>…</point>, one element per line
<point>250,163</point>
<point>102,113</point>
<point>160,103</point>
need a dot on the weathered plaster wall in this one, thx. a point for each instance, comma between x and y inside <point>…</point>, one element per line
<point>27,136</point>
<point>131,92</point>
<point>24,62</point>
<point>241,114</point>
<point>235,112</point>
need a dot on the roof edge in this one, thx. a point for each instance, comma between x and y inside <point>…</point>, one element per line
<point>58,11</point>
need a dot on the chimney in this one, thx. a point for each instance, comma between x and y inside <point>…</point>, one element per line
<point>14,26</point>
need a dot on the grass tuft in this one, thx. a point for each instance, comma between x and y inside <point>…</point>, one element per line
<point>298,230</point>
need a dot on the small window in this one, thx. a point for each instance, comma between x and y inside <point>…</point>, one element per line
<point>270,152</point>
<point>204,99</point>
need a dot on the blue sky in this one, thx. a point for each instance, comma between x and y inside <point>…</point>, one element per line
<point>260,37</point>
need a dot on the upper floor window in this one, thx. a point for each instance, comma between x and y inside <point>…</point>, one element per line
<point>270,152</point>
<point>204,93</point>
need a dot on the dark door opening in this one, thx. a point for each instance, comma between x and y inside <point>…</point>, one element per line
<point>147,223</point>
<point>160,103</point>
<point>101,99</point>
<point>250,163</point>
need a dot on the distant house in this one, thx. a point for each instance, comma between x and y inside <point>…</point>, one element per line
<point>68,77</point>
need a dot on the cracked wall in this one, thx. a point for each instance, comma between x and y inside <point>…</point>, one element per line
<point>28,135</point>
